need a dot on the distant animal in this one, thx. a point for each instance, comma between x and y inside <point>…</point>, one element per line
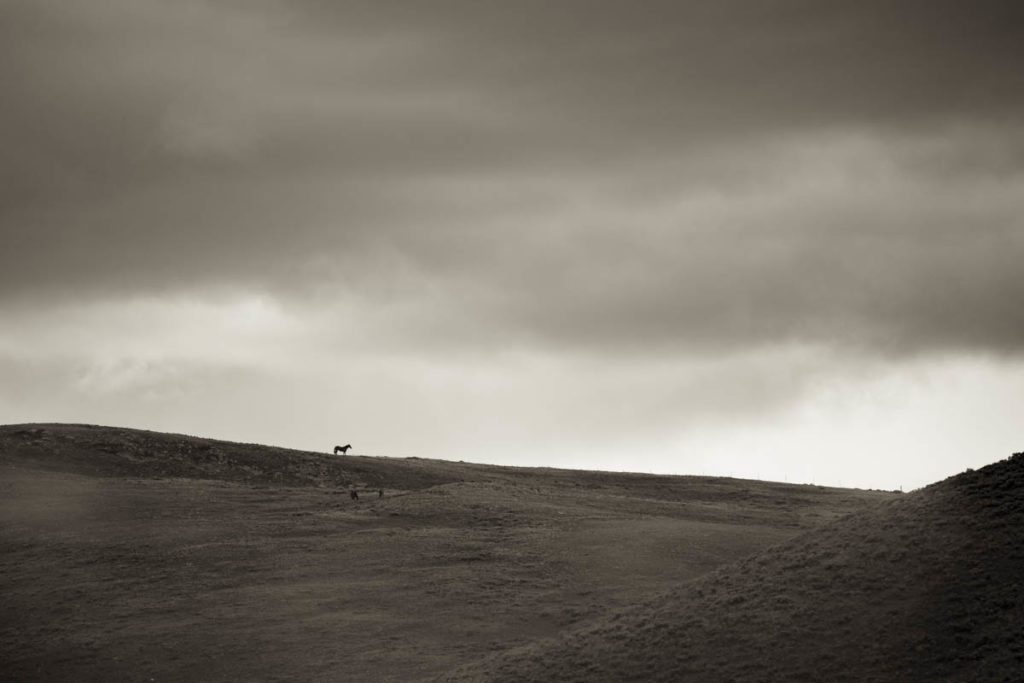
<point>353,494</point>
<point>380,494</point>
<point>343,449</point>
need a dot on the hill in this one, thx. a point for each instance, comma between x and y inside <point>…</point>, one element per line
<point>927,587</point>
<point>134,555</point>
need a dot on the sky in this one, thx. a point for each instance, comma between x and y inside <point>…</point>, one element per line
<point>778,239</point>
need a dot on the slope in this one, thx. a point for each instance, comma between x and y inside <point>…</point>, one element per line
<point>929,586</point>
<point>130,555</point>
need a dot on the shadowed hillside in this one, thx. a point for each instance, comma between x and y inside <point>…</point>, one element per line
<point>113,452</point>
<point>927,587</point>
<point>133,555</point>
<point>109,452</point>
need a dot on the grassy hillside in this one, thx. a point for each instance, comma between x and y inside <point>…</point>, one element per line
<point>133,555</point>
<point>927,587</point>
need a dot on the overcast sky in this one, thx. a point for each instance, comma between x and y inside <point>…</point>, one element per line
<point>771,239</point>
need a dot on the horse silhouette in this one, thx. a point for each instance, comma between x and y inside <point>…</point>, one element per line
<point>343,449</point>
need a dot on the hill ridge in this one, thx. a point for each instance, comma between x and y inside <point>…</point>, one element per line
<point>101,450</point>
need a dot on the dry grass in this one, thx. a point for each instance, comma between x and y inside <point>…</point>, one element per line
<point>130,555</point>
<point>927,587</point>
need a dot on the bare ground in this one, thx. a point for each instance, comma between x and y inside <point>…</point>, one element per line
<point>131,555</point>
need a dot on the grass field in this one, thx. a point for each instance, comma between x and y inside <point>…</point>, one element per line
<point>130,555</point>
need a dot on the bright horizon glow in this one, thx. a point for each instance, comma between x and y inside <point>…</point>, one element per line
<point>795,413</point>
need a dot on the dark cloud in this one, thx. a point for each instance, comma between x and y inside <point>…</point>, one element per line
<point>671,176</point>
<point>687,69</point>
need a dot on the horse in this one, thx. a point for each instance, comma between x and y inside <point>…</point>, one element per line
<point>343,449</point>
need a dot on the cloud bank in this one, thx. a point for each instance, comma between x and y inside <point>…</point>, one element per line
<point>647,195</point>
